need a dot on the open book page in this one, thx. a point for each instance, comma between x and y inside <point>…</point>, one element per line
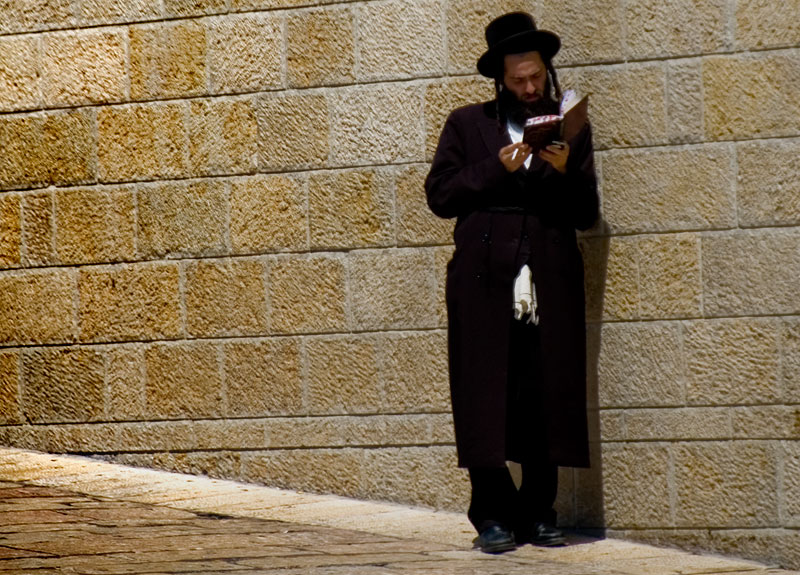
<point>541,131</point>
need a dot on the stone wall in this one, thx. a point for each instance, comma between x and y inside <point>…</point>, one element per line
<point>216,256</point>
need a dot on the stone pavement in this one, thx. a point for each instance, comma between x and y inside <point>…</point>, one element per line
<point>64,514</point>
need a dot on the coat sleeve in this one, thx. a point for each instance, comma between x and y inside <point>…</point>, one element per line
<point>455,186</point>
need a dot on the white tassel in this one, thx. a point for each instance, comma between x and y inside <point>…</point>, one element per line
<point>525,296</point>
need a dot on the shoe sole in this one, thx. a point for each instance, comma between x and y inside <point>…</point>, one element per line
<point>558,542</point>
<point>498,548</point>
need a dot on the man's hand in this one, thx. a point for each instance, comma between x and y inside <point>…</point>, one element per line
<point>556,155</point>
<point>514,156</point>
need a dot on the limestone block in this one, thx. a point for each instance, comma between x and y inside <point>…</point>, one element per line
<point>416,224</point>
<point>732,361</point>
<point>246,5</point>
<point>790,489</point>
<point>245,53</point>
<point>69,146</point>
<point>598,38</point>
<point>669,276</point>
<point>352,208</point>
<point>37,307</point>
<point>62,384</point>
<point>168,60</point>
<point>317,470</point>
<point>84,67</point>
<point>790,357</point>
<point>23,161</point>
<point>26,15</point>
<point>415,372</point>
<point>768,188</point>
<point>225,297</point>
<point>125,379</point>
<point>184,8</point>
<point>619,120</point>
<point>129,302</point>
<point>636,485</point>
<point>221,464</point>
<point>20,85</point>
<point>9,387</point>
<point>638,364</point>
<point>268,213</point>
<point>726,484</point>
<point>223,137</point>
<point>682,423</point>
<point>348,431</point>
<point>343,375</point>
<point>751,272</point>
<point>669,189</point>
<point>156,435</point>
<point>769,546</point>
<point>658,29</point>
<point>392,290</point>
<point>611,277</point>
<point>230,434</point>
<point>442,430</point>
<point>10,231</point>
<point>99,12</point>
<point>180,218</point>
<point>37,228</point>
<point>766,422</point>
<point>293,131</point>
<point>751,95</point>
<point>141,142</point>
<point>763,24</point>
<point>685,101</point>
<point>612,424</point>
<point>320,47</point>
<point>443,97</point>
<point>441,257</point>
<point>183,380</point>
<point>263,377</point>
<point>307,294</point>
<point>400,39</point>
<point>378,124</point>
<point>94,225</point>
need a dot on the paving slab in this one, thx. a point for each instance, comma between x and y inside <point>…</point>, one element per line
<point>66,514</point>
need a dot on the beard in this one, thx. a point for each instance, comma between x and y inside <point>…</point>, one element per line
<point>518,111</point>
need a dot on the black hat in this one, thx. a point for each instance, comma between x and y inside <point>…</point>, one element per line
<point>514,33</point>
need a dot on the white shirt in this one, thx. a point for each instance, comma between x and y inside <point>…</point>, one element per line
<point>515,133</point>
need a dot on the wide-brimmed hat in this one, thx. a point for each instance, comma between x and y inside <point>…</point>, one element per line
<point>514,33</point>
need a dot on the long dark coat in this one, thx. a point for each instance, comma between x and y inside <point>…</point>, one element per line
<point>503,221</point>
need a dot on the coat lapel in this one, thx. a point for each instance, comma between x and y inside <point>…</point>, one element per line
<point>487,124</point>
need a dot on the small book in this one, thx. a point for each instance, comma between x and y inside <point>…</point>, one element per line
<point>541,131</point>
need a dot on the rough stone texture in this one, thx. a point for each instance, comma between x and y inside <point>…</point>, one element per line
<point>750,96</point>
<point>225,297</point>
<point>20,86</point>
<point>638,364</point>
<point>400,38</point>
<point>37,307</point>
<point>62,384</point>
<point>443,97</point>
<point>167,60</point>
<point>9,387</point>
<point>672,424</point>
<point>790,358</point>
<point>726,484</point>
<point>113,11</point>
<point>766,422</point>
<point>185,8</point>
<point>293,131</point>
<point>263,377</point>
<point>141,142</point>
<point>685,101</point>
<point>751,272</point>
<point>268,213</point>
<point>586,40</point>
<point>123,303</point>
<point>352,208</point>
<point>343,375</point>
<point>768,189</point>
<point>22,163</point>
<point>320,48</point>
<point>392,290</point>
<point>669,276</point>
<point>378,124</point>
<point>223,137</point>
<point>37,229</point>
<point>27,15</point>
<point>94,225</point>
<point>180,218</point>
<point>307,294</point>
<point>732,361</point>
<point>636,479</point>
<point>183,380</point>
<point>791,481</point>
<point>86,67</point>
<point>652,32</point>
<point>69,146</point>
<point>618,120</point>
<point>245,53</point>
<point>611,278</point>
<point>669,189</point>
<point>763,24</point>
<point>10,231</point>
<point>125,379</point>
<point>416,224</point>
<point>415,375</point>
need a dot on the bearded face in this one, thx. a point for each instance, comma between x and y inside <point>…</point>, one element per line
<point>525,88</point>
<point>518,111</point>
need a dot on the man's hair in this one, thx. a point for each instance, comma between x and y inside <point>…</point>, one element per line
<point>550,86</point>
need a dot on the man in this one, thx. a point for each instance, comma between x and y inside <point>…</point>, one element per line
<point>518,386</point>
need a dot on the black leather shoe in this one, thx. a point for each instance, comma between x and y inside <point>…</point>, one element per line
<point>495,539</point>
<point>545,535</point>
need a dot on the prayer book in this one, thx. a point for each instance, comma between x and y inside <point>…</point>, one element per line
<point>541,131</point>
